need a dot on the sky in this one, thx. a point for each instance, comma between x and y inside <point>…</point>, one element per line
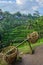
<point>23,6</point>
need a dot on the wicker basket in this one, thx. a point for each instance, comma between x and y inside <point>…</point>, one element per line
<point>11,55</point>
<point>33,37</point>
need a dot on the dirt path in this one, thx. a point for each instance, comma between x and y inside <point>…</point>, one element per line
<point>35,59</point>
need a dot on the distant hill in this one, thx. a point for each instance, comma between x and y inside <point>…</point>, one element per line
<point>16,26</point>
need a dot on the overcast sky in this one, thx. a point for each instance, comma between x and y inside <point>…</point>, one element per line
<point>24,6</point>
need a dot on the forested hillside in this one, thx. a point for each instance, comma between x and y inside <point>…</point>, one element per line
<point>15,27</point>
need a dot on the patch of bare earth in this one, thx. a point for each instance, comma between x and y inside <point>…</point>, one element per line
<point>35,59</point>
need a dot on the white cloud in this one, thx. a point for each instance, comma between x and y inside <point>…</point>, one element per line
<point>25,12</point>
<point>40,2</point>
<point>20,2</point>
<point>31,0</point>
<point>24,6</point>
<point>7,2</point>
<point>34,8</point>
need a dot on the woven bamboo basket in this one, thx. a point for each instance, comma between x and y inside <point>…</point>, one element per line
<point>33,37</point>
<point>11,55</point>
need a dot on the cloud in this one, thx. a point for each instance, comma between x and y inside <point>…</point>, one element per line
<point>25,12</point>
<point>6,2</point>
<point>24,6</point>
<point>35,8</point>
<point>31,0</point>
<point>20,2</point>
<point>40,2</point>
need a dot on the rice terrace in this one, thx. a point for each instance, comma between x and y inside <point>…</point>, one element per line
<point>21,32</point>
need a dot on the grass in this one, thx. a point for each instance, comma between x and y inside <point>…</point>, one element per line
<point>38,43</point>
<point>25,46</point>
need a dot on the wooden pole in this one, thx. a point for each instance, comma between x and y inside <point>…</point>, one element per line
<point>21,43</point>
<point>29,45</point>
